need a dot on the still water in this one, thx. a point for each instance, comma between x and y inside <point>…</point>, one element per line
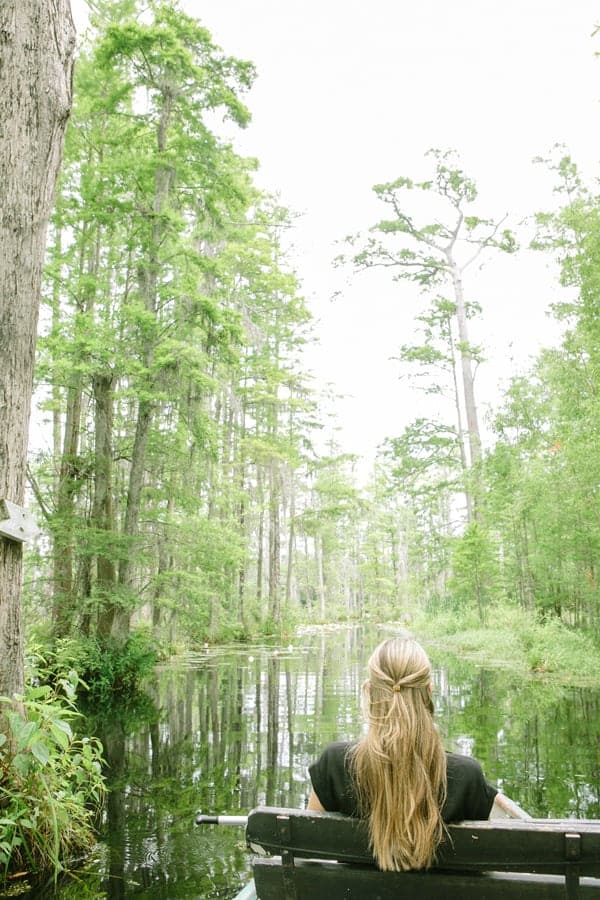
<point>234,727</point>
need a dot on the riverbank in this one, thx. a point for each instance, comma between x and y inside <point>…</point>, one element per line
<point>513,639</point>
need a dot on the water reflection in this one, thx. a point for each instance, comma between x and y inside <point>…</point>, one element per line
<point>232,728</point>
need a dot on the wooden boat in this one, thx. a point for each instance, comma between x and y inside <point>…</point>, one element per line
<point>302,855</point>
<point>247,893</point>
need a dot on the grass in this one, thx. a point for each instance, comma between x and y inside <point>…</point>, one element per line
<point>515,639</point>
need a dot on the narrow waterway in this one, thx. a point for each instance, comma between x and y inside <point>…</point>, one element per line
<point>230,728</point>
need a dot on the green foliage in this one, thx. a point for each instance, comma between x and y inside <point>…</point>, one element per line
<point>542,476</point>
<point>183,486</point>
<point>110,669</point>
<point>171,354</point>
<point>514,638</point>
<point>424,447</point>
<point>475,571</point>
<point>51,786</point>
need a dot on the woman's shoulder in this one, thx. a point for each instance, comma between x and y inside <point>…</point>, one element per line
<point>331,778</point>
<point>333,758</point>
<point>463,769</point>
<point>337,749</point>
<point>470,795</point>
<point>457,762</point>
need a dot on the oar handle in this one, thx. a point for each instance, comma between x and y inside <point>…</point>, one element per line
<point>221,820</point>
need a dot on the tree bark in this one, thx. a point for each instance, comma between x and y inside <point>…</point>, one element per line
<point>466,367</point>
<point>260,538</point>
<point>69,479</point>
<point>459,424</point>
<point>274,545</point>
<point>62,538</point>
<point>127,567</point>
<point>37,41</point>
<point>321,574</point>
<point>102,510</point>
<point>291,544</point>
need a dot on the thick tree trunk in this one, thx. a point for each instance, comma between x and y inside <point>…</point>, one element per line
<point>37,40</point>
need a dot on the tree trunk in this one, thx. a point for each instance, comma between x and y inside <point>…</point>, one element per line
<point>37,40</point>
<point>259,539</point>
<point>274,545</point>
<point>57,389</point>
<point>127,566</point>
<point>291,543</point>
<point>321,575</point>
<point>242,563</point>
<point>148,275</point>
<point>62,537</point>
<point>459,425</point>
<point>70,475</point>
<point>466,367</point>
<point>102,511</point>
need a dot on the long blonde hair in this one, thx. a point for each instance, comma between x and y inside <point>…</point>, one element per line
<point>399,767</point>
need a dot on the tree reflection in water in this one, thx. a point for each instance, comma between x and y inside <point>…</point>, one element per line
<point>230,728</point>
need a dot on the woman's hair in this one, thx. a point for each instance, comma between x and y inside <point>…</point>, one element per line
<point>399,767</point>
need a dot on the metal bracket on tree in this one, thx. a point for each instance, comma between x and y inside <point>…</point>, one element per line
<point>15,522</point>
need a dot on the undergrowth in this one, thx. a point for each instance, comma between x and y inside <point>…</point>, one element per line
<point>109,670</point>
<point>51,784</point>
<point>515,638</point>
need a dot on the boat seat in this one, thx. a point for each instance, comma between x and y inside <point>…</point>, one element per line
<point>325,856</point>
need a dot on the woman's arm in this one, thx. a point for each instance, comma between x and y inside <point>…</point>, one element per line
<point>505,808</point>
<point>314,803</point>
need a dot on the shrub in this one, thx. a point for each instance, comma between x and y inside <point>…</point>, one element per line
<point>109,669</point>
<point>51,784</point>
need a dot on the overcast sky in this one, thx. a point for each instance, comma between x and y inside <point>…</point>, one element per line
<point>350,94</point>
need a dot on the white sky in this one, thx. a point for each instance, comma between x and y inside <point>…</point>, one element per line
<point>351,93</point>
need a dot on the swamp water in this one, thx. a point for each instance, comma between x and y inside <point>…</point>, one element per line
<point>234,727</point>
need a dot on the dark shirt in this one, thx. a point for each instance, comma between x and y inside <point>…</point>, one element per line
<point>469,795</point>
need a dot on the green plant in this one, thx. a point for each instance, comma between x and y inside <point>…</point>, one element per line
<point>51,783</point>
<point>111,669</point>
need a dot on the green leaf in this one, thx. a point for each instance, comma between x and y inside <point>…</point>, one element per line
<point>24,734</point>
<point>21,763</point>
<point>41,752</point>
<point>60,734</point>
<point>36,693</point>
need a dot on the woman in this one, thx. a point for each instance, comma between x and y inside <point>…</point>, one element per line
<point>398,777</point>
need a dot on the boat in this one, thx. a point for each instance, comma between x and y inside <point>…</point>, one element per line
<point>303,854</point>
